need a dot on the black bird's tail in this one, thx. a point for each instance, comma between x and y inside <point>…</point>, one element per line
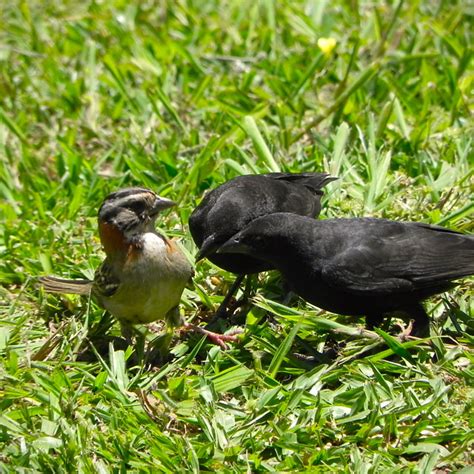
<point>451,255</point>
<point>314,181</point>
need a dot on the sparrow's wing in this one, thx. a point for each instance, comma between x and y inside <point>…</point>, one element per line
<point>106,282</point>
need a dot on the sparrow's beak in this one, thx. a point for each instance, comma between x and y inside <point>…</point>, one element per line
<point>208,247</point>
<point>161,204</point>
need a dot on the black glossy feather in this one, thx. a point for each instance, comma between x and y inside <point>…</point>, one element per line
<point>359,266</point>
<point>228,208</point>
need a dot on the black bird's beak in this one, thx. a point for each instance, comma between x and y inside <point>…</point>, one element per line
<point>234,245</point>
<point>161,204</point>
<point>208,247</point>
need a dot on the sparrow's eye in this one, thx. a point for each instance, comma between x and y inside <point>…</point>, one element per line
<point>139,208</point>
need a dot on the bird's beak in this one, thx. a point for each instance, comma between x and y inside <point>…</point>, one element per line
<point>161,204</point>
<point>234,245</point>
<point>208,247</point>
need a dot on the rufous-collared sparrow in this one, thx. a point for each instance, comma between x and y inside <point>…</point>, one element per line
<point>144,273</point>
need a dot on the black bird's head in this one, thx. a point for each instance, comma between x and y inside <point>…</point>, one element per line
<point>212,227</point>
<point>264,238</point>
<point>130,212</point>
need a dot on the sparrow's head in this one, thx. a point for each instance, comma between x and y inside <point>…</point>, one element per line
<point>130,212</point>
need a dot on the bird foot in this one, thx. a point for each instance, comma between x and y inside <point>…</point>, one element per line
<point>216,338</point>
<point>407,332</point>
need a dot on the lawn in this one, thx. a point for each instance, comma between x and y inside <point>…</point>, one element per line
<point>180,96</point>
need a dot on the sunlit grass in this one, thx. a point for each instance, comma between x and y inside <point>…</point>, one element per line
<point>179,97</point>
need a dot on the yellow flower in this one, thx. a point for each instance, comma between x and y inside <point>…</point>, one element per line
<point>326,45</point>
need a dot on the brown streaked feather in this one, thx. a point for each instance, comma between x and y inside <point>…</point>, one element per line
<point>61,285</point>
<point>106,282</point>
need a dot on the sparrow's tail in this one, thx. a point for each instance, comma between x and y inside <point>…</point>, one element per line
<point>60,285</point>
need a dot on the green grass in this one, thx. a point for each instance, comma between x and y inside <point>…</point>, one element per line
<point>181,96</point>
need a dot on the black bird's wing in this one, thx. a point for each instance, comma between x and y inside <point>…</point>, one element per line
<point>361,270</point>
<point>393,257</point>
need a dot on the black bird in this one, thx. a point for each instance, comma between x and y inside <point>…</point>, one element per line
<point>227,209</point>
<point>360,266</point>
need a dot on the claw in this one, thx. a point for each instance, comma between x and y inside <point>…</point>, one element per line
<point>407,332</point>
<point>218,339</point>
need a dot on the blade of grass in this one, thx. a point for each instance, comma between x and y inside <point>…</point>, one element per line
<point>284,348</point>
<point>263,152</point>
<point>168,106</point>
<point>14,128</point>
<point>360,80</point>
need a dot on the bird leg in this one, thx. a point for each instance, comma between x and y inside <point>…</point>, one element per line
<point>216,338</point>
<point>406,332</point>
<point>418,326</point>
<point>158,349</point>
<point>421,323</point>
<point>222,310</point>
<point>372,321</point>
<point>129,333</point>
<point>377,320</point>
